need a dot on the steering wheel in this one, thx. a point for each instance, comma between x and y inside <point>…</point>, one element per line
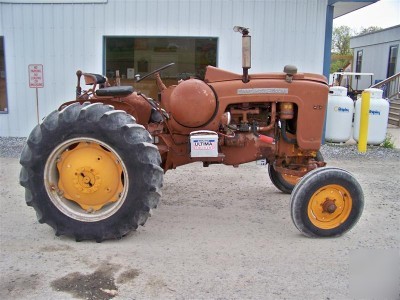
<point>138,78</point>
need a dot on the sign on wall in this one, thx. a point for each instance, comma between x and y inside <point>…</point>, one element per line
<point>36,79</point>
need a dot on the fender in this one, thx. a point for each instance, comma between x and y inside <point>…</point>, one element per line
<point>133,105</point>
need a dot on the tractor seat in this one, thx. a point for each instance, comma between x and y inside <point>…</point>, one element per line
<point>91,78</point>
<point>114,91</point>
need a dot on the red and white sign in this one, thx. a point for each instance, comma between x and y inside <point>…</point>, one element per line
<point>36,76</point>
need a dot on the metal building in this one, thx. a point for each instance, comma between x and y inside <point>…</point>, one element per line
<point>377,53</point>
<point>103,36</point>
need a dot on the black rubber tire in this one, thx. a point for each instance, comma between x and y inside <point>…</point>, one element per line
<point>118,131</point>
<point>280,183</point>
<point>310,184</point>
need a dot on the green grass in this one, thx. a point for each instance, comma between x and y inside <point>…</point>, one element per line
<point>388,142</point>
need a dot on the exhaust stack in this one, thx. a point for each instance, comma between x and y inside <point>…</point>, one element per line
<point>246,51</point>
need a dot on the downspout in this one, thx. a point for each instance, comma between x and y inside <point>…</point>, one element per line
<point>327,49</point>
<point>328,38</point>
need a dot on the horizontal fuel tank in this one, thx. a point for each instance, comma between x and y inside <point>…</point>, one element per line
<point>193,103</point>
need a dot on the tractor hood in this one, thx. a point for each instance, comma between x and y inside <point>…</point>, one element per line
<point>214,74</point>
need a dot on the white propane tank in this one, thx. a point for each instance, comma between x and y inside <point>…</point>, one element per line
<point>339,115</point>
<point>378,118</point>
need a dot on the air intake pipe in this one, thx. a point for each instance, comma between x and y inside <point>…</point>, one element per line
<point>246,51</point>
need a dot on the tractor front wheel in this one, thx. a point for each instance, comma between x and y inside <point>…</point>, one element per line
<point>286,182</point>
<point>327,202</point>
<point>91,172</point>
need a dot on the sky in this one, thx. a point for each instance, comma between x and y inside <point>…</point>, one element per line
<point>384,14</point>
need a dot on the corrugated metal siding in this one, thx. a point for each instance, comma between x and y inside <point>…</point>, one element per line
<point>68,37</point>
<point>381,36</point>
<point>375,60</point>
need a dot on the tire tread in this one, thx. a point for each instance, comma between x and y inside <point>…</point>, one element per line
<point>299,200</point>
<point>122,133</point>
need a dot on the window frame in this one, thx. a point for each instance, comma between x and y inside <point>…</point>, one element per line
<point>359,58</point>
<point>5,78</point>
<point>389,59</point>
<point>154,51</point>
<point>105,37</point>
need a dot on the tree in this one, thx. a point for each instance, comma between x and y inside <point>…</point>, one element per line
<point>339,63</point>
<point>341,40</point>
<point>369,29</point>
<point>340,52</point>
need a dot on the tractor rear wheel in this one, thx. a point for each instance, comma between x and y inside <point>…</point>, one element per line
<point>286,182</point>
<point>91,172</point>
<point>327,202</point>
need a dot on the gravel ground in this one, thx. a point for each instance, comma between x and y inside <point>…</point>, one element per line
<point>350,152</point>
<point>218,233</point>
<point>12,147</point>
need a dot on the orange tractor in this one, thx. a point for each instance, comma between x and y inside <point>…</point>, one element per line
<point>93,169</point>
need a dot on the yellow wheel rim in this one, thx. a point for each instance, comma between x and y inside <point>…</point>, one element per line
<point>330,206</point>
<point>86,179</point>
<point>90,176</point>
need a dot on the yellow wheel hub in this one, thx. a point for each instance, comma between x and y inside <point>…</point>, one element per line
<point>90,175</point>
<point>329,206</point>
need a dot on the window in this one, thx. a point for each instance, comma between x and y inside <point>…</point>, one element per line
<point>141,55</point>
<point>3,81</point>
<point>393,51</point>
<point>359,62</point>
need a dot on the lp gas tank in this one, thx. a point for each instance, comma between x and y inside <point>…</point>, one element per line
<point>192,103</point>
